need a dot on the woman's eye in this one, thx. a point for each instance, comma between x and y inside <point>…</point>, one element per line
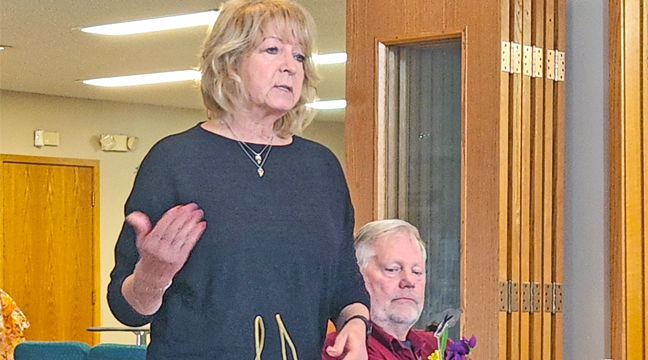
<point>299,57</point>
<point>272,50</point>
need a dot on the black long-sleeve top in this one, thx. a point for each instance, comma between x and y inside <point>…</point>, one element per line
<point>277,244</point>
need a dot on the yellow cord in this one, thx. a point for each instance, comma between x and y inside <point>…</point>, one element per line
<point>259,338</point>
<point>283,334</point>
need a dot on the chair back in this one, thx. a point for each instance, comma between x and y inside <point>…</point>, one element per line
<point>51,350</point>
<point>117,352</point>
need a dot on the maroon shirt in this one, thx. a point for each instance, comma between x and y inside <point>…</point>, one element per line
<point>382,346</point>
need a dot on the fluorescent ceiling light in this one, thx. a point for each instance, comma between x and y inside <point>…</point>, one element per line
<point>333,58</point>
<point>2,47</point>
<point>183,75</point>
<point>328,104</point>
<point>157,24</point>
<point>144,79</point>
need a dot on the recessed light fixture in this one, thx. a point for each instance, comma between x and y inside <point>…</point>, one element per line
<point>156,24</point>
<point>145,79</point>
<point>332,58</point>
<point>328,104</point>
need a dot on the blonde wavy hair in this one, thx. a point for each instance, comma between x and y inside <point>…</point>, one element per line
<point>235,34</point>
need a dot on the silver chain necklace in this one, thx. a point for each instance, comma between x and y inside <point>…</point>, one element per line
<point>258,160</point>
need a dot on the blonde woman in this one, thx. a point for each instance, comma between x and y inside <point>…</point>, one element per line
<point>238,236</point>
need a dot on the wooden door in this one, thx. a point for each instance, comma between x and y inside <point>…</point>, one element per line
<point>511,140</point>
<point>49,244</point>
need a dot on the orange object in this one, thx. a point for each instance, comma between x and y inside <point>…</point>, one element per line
<point>14,324</point>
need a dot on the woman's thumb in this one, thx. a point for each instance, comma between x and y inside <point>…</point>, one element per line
<point>337,348</point>
<point>140,223</point>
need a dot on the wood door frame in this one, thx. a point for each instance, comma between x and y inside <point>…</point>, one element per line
<point>381,120</point>
<point>94,165</point>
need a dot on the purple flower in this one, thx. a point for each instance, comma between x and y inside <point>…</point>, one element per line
<point>459,349</point>
<point>472,342</point>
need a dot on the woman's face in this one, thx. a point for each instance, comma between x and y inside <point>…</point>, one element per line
<point>273,75</point>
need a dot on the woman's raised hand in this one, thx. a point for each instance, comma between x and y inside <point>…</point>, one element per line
<point>164,249</point>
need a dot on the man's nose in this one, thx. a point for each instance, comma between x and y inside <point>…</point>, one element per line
<point>407,279</point>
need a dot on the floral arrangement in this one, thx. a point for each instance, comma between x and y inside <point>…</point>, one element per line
<point>457,350</point>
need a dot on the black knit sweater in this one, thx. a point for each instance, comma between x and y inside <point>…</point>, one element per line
<point>277,244</point>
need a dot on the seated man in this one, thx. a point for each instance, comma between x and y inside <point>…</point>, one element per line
<point>391,257</point>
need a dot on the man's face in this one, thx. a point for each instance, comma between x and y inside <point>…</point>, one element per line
<point>395,279</point>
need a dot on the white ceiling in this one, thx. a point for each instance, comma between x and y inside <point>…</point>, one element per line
<point>49,55</point>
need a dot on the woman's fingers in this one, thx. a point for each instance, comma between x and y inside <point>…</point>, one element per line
<point>180,227</point>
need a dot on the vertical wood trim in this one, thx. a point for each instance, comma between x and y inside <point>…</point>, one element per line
<point>525,216</point>
<point>628,178</point>
<point>503,233</point>
<point>547,252</point>
<point>537,176</point>
<point>617,193</point>
<point>633,171</point>
<point>382,62</point>
<point>559,175</point>
<point>515,183</point>
<point>408,64</point>
<point>644,151</point>
<point>97,253</point>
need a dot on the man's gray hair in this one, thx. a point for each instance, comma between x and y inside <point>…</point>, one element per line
<point>366,238</point>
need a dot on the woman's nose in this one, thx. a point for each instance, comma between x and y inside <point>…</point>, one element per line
<point>290,64</point>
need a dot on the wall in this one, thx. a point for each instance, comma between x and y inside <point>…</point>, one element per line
<point>79,123</point>
<point>586,276</point>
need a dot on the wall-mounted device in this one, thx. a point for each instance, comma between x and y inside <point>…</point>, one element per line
<point>120,143</point>
<point>45,138</point>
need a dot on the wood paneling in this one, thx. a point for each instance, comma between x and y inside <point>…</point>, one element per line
<point>512,157</point>
<point>50,245</point>
<point>628,143</point>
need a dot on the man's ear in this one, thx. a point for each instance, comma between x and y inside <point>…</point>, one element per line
<point>365,279</point>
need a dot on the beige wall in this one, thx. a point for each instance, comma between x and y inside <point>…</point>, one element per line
<point>79,123</point>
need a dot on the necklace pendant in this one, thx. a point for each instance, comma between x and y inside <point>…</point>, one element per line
<point>260,171</point>
<point>258,159</point>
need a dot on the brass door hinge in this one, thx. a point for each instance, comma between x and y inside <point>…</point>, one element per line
<point>531,61</point>
<point>509,296</point>
<point>560,66</point>
<point>527,60</point>
<point>553,298</point>
<point>537,62</point>
<point>506,56</point>
<point>550,69</point>
<point>516,58</point>
<point>531,298</point>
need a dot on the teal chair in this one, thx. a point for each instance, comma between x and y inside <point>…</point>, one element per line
<point>117,352</point>
<point>51,350</point>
